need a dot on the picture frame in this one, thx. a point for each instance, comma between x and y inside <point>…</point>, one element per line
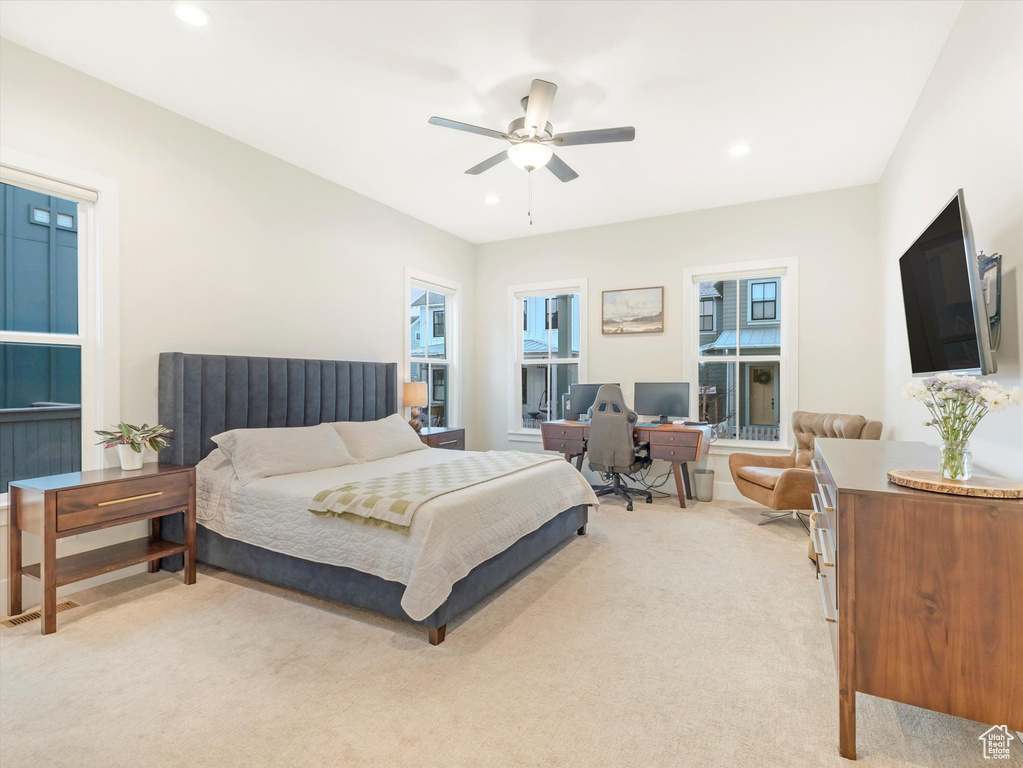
<point>627,311</point>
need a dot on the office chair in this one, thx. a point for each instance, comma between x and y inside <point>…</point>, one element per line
<point>610,448</point>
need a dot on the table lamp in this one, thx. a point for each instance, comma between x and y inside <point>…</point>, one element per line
<point>414,396</point>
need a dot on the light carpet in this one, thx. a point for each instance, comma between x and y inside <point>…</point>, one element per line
<point>664,637</point>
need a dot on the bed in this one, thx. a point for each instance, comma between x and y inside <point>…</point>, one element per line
<point>459,548</point>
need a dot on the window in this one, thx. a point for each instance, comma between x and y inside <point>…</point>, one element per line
<point>706,315</point>
<point>741,349</point>
<point>45,336</point>
<point>550,316</point>
<point>549,351</point>
<point>763,301</point>
<point>431,345</point>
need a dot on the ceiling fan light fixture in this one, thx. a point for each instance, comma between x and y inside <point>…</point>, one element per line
<point>530,155</point>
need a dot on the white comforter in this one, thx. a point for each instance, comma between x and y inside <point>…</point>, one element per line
<point>449,536</point>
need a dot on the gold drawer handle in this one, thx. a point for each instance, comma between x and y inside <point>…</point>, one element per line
<point>814,467</point>
<point>828,615</point>
<point>130,498</point>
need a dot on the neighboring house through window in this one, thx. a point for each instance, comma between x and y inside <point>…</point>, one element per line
<point>742,348</point>
<point>549,349</point>
<point>50,401</point>
<point>432,321</point>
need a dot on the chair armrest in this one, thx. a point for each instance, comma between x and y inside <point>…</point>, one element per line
<point>794,489</point>
<point>737,460</point>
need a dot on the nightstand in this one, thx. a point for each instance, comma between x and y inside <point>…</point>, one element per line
<point>80,502</point>
<point>443,437</point>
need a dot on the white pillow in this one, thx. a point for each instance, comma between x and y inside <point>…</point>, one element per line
<point>257,453</point>
<point>381,439</point>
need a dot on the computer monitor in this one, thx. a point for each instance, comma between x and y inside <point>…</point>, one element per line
<point>581,398</point>
<point>663,399</point>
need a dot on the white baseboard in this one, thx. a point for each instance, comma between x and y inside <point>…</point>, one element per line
<point>32,592</point>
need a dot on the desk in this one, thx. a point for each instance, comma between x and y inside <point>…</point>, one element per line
<point>675,444</point>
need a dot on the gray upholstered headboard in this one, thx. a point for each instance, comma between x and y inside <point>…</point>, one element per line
<point>203,395</point>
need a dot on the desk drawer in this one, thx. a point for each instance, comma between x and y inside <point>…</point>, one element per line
<point>673,437</point>
<point>565,446</point>
<point>673,452</point>
<point>561,432</point>
<point>830,613</point>
<point>92,504</point>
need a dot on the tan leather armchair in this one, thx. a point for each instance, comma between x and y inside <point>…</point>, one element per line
<point>784,483</point>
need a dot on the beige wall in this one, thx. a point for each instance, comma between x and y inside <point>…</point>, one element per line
<point>833,235</point>
<point>966,131</point>
<point>225,249</point>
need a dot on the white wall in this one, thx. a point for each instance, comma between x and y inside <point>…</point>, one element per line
<point>966,131</point>
<point>832,234</point>
<point>225,249</point>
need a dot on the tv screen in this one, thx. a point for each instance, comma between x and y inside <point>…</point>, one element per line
<point>940,290</point>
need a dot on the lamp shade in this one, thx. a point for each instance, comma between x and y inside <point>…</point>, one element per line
<point>414,394</point>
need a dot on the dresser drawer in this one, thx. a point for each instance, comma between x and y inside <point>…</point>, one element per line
<point>565,446</point>
<point>673,437</point>
<point>830,613</point>
<point>824,513</point>
<point>92,504</point>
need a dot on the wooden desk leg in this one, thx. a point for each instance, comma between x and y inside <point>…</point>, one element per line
<point>190,535</point>
<point>48,565</point>
<point>687,481</point>
<point>154,532</point>
<point>678,484</point>
<point>13,555</point>
<point>579,461</point>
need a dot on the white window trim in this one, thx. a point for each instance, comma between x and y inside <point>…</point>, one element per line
<point>99,288</point>
<point>777,305</point>
<point>788,271</point>
<point>516,432</point>
<point>452,320</point>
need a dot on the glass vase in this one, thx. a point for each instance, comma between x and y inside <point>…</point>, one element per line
<point>956,459</point>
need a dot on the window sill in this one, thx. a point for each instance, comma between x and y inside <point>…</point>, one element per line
<point>525,437</point>
<point>727,447</point>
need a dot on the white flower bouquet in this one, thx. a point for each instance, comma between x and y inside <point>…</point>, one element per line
<point>957,404</point>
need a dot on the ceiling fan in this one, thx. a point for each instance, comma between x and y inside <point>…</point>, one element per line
<point>532,137</point>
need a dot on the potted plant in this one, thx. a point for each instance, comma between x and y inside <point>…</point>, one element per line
<point>957,404</point>
<point>132,441</point>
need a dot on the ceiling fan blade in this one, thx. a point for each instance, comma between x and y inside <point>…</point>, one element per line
<point>602,136</point>
<point>488,163</point>
<point>443,122</point>
<point>560,168</point>
<point>538,107</point>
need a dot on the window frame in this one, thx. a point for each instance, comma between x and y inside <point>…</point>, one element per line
<point>713,316</point>
<point>452,347</point>
<point>98,337</point>
<point>786,271</point>
<point>777,303</point>
<point>516,293</point>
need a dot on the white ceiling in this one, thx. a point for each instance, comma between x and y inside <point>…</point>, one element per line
<point>819,90</point>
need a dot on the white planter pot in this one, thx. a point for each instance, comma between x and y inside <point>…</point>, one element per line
<point>129,459</point>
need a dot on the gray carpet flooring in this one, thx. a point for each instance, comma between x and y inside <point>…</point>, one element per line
<point>664,637</point>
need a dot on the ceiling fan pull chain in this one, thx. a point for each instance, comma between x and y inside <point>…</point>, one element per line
<point>530,211</point>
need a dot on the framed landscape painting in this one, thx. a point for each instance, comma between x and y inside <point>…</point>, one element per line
<point>633,310</point>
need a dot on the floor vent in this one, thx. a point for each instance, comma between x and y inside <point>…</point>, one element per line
<point>25,618</point>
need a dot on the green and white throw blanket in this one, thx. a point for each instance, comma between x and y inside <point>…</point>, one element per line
<point>390,501</point>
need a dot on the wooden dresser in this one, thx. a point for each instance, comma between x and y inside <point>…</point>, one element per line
<point>922,592</point>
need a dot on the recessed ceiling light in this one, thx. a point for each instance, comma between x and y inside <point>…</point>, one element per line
<point>191,14</point>
<point>739,150</point>
<point>491,199</point>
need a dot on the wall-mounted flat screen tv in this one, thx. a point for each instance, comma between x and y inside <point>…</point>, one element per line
<point>946,316</point>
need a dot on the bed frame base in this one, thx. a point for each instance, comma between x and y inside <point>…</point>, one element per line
<point>346,585</point>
